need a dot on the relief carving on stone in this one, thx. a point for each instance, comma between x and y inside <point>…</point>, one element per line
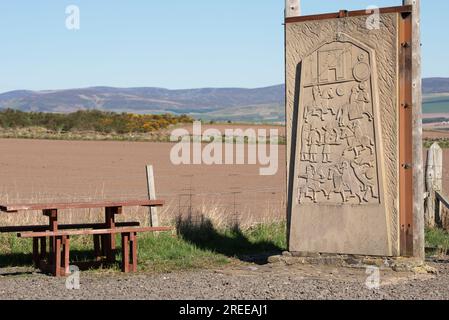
<point>338,160</point>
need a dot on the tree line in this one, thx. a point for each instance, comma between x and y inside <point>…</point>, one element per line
<point>91,120</point>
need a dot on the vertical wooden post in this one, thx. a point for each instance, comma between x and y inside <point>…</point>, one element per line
<point>109,240</point>
<point>292,8</point>
<point>65,256</point>
<point>418,165</point>
<point>154,220</point>
<point>133,247</point>
<point>53,226</point>
<point>406,199</point>
<point>434,182</point>
<point>57,258</point>
<point>125,252</point>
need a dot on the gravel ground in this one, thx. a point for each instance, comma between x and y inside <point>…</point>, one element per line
<point>236,282</point>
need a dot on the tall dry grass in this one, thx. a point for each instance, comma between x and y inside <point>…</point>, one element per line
<point>218,210</point>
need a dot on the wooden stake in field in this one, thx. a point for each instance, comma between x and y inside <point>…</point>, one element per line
<point>418,165</point>
<point>434,183</point>
<point>154,219</point>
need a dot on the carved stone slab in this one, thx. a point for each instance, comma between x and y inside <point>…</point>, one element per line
<point>342,127</point>
<point>337,162</point>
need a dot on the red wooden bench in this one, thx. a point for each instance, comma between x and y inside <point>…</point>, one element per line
<point>62,248</point>
<point>103,234</point>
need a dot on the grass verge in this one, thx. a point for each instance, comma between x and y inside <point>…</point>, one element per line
<point>437,241</point>
<point>443,143</point>
<point>196,247</point>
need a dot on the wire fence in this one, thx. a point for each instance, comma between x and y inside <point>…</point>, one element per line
<point>226,198</point>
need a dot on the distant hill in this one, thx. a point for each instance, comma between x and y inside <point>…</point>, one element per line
<point>236,104</point>
<point>216,101</point>
<point>435,85</point>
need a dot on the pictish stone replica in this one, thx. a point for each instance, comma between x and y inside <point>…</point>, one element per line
<point>342,90</point>
<point>338,162</point>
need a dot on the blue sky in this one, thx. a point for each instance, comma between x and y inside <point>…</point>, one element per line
<point>172,44</point>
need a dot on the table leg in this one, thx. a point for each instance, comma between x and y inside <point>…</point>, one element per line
<point>133,246</point>
<point>53,221</point>
<point>55,245</point>
<point>109,242</point>
<point>57,257</point>
<point>125,252</point>
<point>66,255</point>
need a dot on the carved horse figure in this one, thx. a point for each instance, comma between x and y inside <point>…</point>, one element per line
<point>356,139</point>
<point>320,105</point>
<point>364,174</point>
<point>363,140</point>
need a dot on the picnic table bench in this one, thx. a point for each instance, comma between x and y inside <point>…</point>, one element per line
<point>56,259</point>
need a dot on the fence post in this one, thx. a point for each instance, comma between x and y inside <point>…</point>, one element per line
<point>154,220</point>
<point>434,182</point>
<point>292,8</point>
<point>418,163</point>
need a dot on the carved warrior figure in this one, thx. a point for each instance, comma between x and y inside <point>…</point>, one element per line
<point>358,101</point>
<point>336,177</point>
<point>313,179</point>
<point>328,139</point>
<point>314,142</point>
<point>327,103</point>
<point>328,186</point>
<point>316,108</point>
<point>349,179</point>
<point>305,142</point>
<point>343,115</point>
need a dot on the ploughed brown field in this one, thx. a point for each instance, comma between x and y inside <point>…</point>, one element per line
<point>45,171</point>
<point>39,171</point>
<point>436,134</point>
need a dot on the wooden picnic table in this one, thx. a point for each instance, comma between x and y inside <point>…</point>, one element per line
<point>104,236</point>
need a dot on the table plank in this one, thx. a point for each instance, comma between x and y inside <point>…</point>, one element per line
<point>43,228</point>
<point>80,205</point>
<point>92,232</point>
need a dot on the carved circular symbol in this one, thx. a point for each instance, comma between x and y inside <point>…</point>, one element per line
<point>361,71</point>
<point>340,91</point>
<point>370,174</point>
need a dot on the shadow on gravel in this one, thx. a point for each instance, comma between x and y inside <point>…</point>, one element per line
<point>16,260</point>
<point>232,243</point>
<point>84,259</point>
